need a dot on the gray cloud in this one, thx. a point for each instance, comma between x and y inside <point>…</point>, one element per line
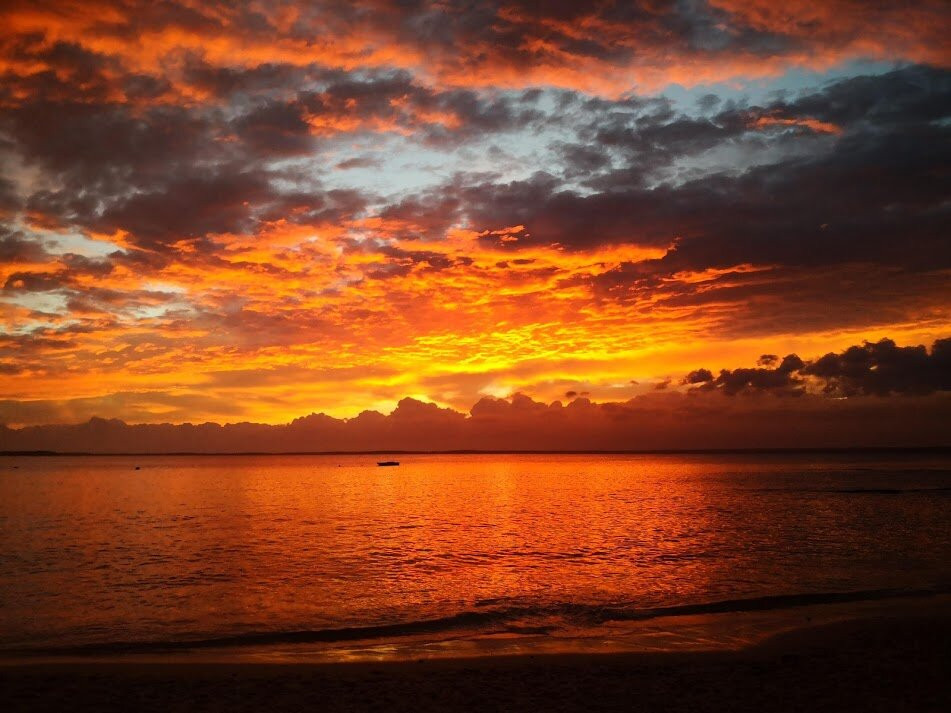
<point>872,369</point>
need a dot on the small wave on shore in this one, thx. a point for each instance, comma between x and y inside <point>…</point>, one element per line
<point>514,621</point>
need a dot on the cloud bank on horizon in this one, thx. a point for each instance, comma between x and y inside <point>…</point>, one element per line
<point>246,211</point>
<point>833,401</point>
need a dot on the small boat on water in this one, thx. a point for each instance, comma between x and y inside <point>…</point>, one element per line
<point>387,462</point>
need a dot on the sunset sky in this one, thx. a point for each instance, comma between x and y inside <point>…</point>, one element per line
<point>252,211</point>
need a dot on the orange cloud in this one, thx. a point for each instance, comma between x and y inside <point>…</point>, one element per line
<point>820,127</point>
<point>181,239</point>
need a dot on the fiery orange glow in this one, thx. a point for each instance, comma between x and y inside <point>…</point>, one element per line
<point>253,211</point>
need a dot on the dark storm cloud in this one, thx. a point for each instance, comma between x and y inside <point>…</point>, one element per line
<point>440,118</point>
<point>581,160</point>
<point>9,200</point>
<point>17,248</point>
<point>872,199</point>
<point>166,173</point>
<point>699,376</point>
<point>316,207</point>
<point>359,162</point>
<point>70,71</point>
<point>654,134</point>
<point>107,144</point>
<point>781,379</point>
<point>552,215</point>
<point>182,207</point>
<point>900,98</point>
<point>408,259</point>
<point>123,168</point>
<point>225,82</point>
<point>872,369</point>
<point>110,156</point>
<point>883,368</point>
<point>274,129</point>
<point>428,215</point>
<point>191,207</point>
<point>877,193</point>
<point>33,282</point>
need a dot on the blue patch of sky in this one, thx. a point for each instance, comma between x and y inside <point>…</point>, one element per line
<point>42,303</point>
<point>392,166</point>
<point>403,165</point>
<point>763,90</point>
<point>62,242</point>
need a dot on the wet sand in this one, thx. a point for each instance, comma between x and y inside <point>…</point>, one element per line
<point>896,662</point>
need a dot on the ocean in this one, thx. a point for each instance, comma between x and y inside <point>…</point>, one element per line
<point>330,557</point>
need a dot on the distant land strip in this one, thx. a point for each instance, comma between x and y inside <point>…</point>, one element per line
<point>668,451</point>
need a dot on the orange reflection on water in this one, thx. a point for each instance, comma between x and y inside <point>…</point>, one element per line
<point>253,549</point>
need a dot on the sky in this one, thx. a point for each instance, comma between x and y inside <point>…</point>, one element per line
<point>255,211</point>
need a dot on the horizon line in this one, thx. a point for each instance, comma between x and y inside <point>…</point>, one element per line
<point>492,451</point>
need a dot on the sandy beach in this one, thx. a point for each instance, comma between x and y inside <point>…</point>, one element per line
<point>892,662</point>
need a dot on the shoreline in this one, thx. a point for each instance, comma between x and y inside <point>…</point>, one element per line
<point>730,625</point>
<point>874,660</point>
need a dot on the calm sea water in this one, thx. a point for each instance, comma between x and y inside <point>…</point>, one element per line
<point>330,550</point>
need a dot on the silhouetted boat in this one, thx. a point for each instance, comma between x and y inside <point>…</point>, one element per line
<point>388,462</point>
